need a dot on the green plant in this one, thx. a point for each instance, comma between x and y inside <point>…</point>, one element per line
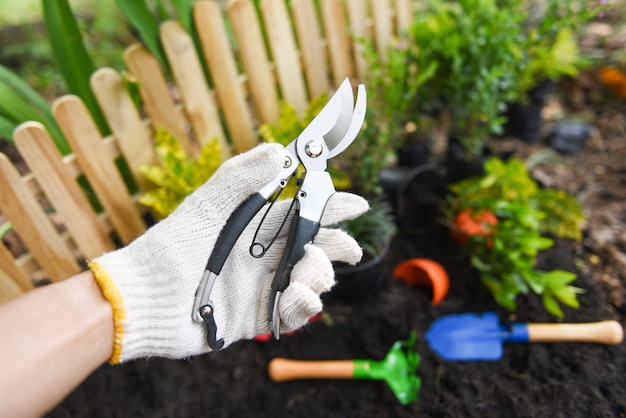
<point>20,103</point>
<point>374,229</point>
<point>505,256</point>
<point>289,125</point>
<point>146,16</point>
<point>71,56</point>
<point>393,81</point>
<point>474,46</point>
<point>4,228</point>
<point>549,42</point>
<point>176,175</point>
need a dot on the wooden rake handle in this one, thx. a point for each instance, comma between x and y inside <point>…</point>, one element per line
<point>603,332</point>
<point>281,369</point>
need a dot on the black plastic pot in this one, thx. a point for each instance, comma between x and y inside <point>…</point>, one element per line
<point>570,137</point>
<point>361,281</point>
<point>524,119</point>
<point>459,165</point>
<point>415,154</point>
<point>415,193</point>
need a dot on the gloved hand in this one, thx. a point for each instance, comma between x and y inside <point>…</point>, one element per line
<point>151,282</point>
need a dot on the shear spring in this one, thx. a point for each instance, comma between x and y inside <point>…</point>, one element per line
<point>257,249</point>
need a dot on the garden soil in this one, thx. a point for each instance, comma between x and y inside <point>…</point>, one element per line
<point>530,380</point>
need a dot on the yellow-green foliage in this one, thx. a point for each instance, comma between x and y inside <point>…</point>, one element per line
<point>509,181</point>
<point>289,126</point>
<point>176,175</point>
<point>506,258</point>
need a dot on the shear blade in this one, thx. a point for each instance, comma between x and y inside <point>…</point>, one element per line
<point>334,121</point>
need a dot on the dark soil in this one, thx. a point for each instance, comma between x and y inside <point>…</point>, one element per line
<point>531,380</point>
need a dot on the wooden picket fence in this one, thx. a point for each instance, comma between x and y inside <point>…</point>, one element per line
<point>311,52</point>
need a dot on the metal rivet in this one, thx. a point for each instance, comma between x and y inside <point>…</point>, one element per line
<point>313,148</point>
<point>287,163</point>
<point>206,310</point>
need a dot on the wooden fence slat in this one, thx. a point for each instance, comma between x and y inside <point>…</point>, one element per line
<point>133,136</point>
<point>61,189</point>
<point>219,57</point>
<point>199,103</point>
<point>285,54</point>
<point>33,226</point>
<point>156,95</point>
<point>314,59</point>
<point>85,140</point>
<point>244,20</point>
<point>381,12</point>
<point>357,16</point>
<point>338,39</point>
<point>9,289</point>
<point>9,267</point>
<point>404,15</point>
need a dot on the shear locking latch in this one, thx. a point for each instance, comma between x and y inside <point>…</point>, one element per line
<point>206,312</point>
<point>203,310</point>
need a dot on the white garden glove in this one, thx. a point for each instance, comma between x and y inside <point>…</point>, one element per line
<point>151,283</point>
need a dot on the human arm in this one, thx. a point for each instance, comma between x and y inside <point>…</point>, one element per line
<point>64,331</point>
<point>52,339</point>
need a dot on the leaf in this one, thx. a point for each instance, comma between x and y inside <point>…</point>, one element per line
<point>139,15</point>
<point>556,278</point>
<point>567,296</point>
<point>4,228</point>
<point>6,127</point>
<point>24,90</point>
<point>480,265</point>
<point>72,57</point>
<point>15,108</point>
<point>565,52</point>
<point>184,11</point>
<point>133,87</point>
<point>21,89</point>
<point>551,305</point>
<point>536,280</point>
<point>175,176</point>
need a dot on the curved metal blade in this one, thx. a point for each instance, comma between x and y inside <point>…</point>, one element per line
<point>355,121</point>
<point>335,118</point>
<point>344,115</point>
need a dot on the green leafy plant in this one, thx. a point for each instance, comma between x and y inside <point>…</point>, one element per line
<point>505,251</point>
<point>20,103</point>
<point>146,16</point>
<point>4,228</point>
<point>374,229</point>
<point>393,82</point>
<point>176,175</point>
<point>474,45</point>
<point>549,42</point>
<point>289,125</point>
<point>71,56</point>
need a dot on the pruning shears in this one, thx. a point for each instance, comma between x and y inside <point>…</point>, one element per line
<point>328,134</point>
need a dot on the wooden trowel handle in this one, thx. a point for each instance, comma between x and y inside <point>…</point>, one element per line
<point>604,332</point>
<point>283,369</point>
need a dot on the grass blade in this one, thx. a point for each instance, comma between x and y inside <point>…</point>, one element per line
<point>139,15</point>
<point>6,127</point>
<point>71,56</point>
<point>21,89</point>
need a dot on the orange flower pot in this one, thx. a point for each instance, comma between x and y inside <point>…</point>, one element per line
<point>468,224</point>
<point>424,272</point>
<point>614,80</point>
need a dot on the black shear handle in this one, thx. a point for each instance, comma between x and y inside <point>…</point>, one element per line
<point>236,223</point>
<point>302,232</point>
